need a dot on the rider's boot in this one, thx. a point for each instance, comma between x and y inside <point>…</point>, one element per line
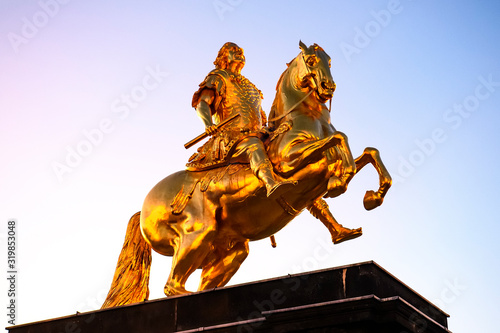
<point>342,233</point>
<point>339,233</point>
<point>266,174</point>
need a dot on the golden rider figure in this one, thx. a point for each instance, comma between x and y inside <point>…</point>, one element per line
<point>223,94</point>
<point>209,226</point>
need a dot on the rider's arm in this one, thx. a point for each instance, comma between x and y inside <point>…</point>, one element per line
<point>203,109</point>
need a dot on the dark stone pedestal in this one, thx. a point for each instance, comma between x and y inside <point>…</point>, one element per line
<point>349,299</point>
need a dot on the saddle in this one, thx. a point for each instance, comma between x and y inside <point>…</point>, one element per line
<point>214,175</point>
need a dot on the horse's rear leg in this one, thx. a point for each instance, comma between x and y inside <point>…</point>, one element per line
<point>191,249</point>
<point>191,252</point>
<point>374,199</point>
<point>223,266</point>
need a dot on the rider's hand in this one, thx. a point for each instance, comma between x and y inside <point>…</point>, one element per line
<point>265,130</point>
<point>211,130</point>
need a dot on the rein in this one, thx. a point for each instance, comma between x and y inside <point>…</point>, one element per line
<point>303,98</point>
<point>292,108</point>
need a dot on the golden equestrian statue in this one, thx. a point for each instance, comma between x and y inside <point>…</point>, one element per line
<point>248,180</point>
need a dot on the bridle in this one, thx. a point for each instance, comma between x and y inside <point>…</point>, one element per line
<point>290,110</point>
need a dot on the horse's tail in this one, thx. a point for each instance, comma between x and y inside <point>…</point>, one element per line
<point>131,280</point>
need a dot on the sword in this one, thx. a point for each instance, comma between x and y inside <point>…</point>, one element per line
<point>205,134</point>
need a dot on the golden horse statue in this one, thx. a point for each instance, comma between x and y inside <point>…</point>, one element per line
<point>205,219</point>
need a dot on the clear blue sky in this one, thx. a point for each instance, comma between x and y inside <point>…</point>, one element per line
<point>419,80</point>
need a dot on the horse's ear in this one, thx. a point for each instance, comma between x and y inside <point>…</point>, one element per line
<point>302,46</point>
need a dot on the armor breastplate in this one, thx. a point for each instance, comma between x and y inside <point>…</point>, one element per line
<point>243,98</point>
<point>237,95</point>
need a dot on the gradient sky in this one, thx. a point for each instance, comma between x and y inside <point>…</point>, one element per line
<point>419,80</point>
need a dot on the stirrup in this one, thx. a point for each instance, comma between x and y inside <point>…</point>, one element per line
<point>272,189</point>
<point>345,235</point>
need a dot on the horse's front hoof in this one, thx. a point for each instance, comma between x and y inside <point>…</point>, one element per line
<point>372,200</point>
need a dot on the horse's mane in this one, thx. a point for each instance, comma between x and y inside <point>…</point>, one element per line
<point>285,71</point>
<point>274,106</point>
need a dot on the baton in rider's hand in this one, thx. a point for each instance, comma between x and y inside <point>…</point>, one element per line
<point>206,134</point>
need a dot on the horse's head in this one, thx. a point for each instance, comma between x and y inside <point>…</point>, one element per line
<point>313,65</point>
<point>307,81</point>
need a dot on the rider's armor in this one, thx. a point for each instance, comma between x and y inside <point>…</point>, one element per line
<point>233,95</point>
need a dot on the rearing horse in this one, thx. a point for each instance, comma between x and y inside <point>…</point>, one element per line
<point>205,219</point>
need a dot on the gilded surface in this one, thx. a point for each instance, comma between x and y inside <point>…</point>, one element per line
<point>233,94</point>
<point>205,218</point>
